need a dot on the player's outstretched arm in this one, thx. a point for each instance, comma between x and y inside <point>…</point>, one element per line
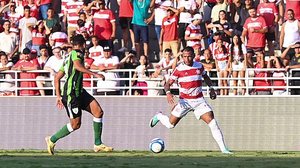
<point>170,96</point>
<point>79,67</point>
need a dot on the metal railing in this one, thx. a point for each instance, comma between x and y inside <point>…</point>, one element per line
<point>154,84</point>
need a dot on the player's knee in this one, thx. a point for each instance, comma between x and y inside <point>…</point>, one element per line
<point>98,113</point>
<point>76,125</point>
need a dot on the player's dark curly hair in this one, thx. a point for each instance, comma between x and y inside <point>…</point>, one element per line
<point>189,49</point>
<point>78,40</point>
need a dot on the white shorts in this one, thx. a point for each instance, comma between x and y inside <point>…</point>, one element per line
<point>222,65</point>
<point>198,106</point>
<point>237,67</point>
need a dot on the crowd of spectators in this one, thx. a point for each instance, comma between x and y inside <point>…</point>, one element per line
<point>228,36</point>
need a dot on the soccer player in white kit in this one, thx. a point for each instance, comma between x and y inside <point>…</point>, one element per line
<point>189,75</point>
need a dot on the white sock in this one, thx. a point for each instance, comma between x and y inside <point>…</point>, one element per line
<point>217,134</point>
<point>165,120</point>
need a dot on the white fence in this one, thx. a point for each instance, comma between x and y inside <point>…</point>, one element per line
<point>119,84</point>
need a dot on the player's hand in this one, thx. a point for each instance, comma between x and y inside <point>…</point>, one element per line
<point>184,105</point>
<point>212,94</point>
<point>170,98</point>
<point>59,103</point>
<point>99,76</point>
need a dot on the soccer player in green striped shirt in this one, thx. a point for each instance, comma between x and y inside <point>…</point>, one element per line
<point>75,99</point>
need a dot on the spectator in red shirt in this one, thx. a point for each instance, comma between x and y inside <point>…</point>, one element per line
<point>169,31</point>
<point>259,73</point>
<point>125,19</point>
<point>255,28</point>
<point>295,5</point>
<point>104,25</point>
<point>34,8</point>
<point>38,36</point>
<point>269,11</point>
<point>25,65</point>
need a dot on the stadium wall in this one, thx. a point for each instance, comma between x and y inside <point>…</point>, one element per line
<point>248,123</point>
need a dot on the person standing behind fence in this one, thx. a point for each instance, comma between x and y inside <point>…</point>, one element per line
<point>269,11</point>
<point>254,31</point>
<point>275,62</point>
<point>294,63</point>
<point>9,42</point>
<point>26,25</point>
<point>6,87</point>
<point>25,65</point>
<point>125,15</point>
<point>193,34</point>
<point>140,23</point>
<point>104,25</point>
<point>187,8</point>
<point>290,34</point>
<point>261,84</point>
<point>238,53</point>
<point>71,16</point>
<point>169,31</point>
<point>221,56</point>
<point>75,99</point>
<point>104,64</point>
<point>141,73</point>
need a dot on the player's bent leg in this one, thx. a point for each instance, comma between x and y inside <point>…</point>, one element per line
<point>165,120</point>
<point>216,131</point>
<point>154,120</point>
<point>95,109</point>
<point>75,123</point>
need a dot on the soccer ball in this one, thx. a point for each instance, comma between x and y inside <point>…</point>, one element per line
<point>157,145</point>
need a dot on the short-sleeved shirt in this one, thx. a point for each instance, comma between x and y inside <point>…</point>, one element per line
<point>193,31</point>
<point>268,11</point>
<point>226,26</point>
<point>169,25</point>
<point>73,85</point>
<point>54,63</point>
<point>103,24</point>
<point>140,12</point>
<point>125,9</point>
<point>51,22</point>
<point>216,9</point>
<point>189,79</point>
<point>8,42</point>
<point>255,40</point>
<point>185,17</point>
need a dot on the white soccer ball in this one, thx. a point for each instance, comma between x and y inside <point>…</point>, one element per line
<point>157,145</point>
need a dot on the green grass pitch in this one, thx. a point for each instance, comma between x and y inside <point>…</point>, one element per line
<point>146,159</point>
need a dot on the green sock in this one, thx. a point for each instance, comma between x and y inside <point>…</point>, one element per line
<point>60,134</point>
<point>97,132</point>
